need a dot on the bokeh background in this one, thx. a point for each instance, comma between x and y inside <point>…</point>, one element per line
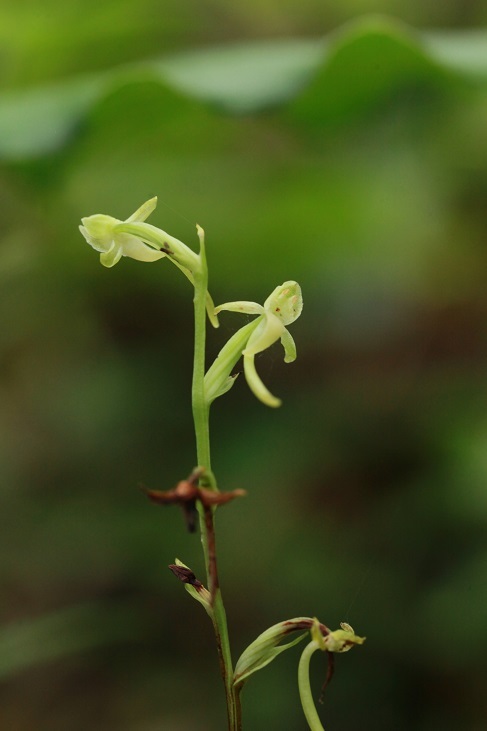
<point>312,142</point>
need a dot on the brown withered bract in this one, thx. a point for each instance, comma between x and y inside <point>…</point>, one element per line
<point>185,575</point>
<point>187,492</point>
<point>184,494</point>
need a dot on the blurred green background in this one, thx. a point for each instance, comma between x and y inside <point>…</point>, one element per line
<point>314,143</point>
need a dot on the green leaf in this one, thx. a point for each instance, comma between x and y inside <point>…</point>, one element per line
<point>246,78</point>
<point>345,74</point>
<point>41,120</point>
<point>367,62</point>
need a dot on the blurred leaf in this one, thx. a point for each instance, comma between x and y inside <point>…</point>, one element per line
<point>367,63</point>
<point>68,631</point>
<point>42,120</point>
<point>352,69</point>
<point>245,78</point>
<point>465,52</point>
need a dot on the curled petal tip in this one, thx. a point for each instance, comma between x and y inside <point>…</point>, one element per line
<point>256,385</point>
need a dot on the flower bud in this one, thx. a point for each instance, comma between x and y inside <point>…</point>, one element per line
<point>265,648</point>
<point>192,585</point>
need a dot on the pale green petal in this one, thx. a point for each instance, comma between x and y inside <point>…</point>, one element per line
<point>256,385</point>
<point>268,332</point>
<point>110,258</point>
<point>97,245</point>
<point>134,248</point>
<point>249,308</point>
<point>210,311</point>
<point>144,211</point>
<point>286,301</point>
<point>289,346</point>
<point>98,230</point>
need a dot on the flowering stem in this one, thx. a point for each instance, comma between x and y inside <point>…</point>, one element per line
<point>201,424</point>
<point>305,690</point>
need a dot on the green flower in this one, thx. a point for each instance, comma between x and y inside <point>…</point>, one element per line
<point>144,242</point>
<point>138,240</point>
<point>341,640</point>
<point>104,235</point>
<point>281,308</point>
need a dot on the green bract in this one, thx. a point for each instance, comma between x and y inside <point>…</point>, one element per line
<point>281,308</point>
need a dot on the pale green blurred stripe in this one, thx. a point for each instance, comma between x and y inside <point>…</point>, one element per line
<point>30,642</point>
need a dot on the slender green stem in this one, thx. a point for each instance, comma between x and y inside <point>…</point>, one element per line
<point>200,408</point>
<point>201,424</point>
<point>305,690</point>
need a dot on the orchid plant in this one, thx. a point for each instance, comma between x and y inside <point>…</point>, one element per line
<point>199,495</point>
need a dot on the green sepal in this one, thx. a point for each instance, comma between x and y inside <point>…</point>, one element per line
<point>225,386</point>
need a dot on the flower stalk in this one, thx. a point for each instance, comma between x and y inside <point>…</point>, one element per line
<point>305,694</point>
<point>206,514</point>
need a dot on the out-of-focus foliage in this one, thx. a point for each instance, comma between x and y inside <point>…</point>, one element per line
<point>354,161</point>
<point>318,75</point>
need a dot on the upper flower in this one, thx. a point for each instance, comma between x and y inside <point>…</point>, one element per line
<point>281,308</point>
<point>142,241</point>
<point>135,238</point>
<point>102,233</point>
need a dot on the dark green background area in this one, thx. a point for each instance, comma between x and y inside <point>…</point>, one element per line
<point>311,143</point>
